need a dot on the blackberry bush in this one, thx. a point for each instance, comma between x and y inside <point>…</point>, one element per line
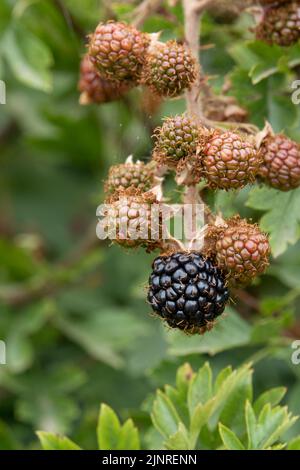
<point>199,230</point>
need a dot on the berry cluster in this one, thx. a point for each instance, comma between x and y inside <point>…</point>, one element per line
<point>120,57</point>
<point>188,288</point>
<point>226,160</point>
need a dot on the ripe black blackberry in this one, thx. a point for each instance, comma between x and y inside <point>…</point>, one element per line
<point>187,291</point>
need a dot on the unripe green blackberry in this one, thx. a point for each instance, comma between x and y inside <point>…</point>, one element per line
<point>95,89</point>
<point>229,161</point>
<point>241,250</point>
<point>281,162</point>
<point>187,291</point>
<point>118,51</point>
<point>137,175</point>
<point>178,138</point>
<point>169,69</point>
<point>280,25</point>
<point>129,220</point>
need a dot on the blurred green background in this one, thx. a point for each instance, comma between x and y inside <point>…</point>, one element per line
<point>73,314</point>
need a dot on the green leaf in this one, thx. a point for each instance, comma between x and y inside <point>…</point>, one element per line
<point>273,423</point>
<point>179,440</point>
<point>20,353</point>
<point>230,332</point>
<point>184,376</point>
<point>235,385</point>
<point>272,396</point>
<point>232,414</point>
<point>200,417</point>
<point>229,439</point>
<point>251,426</point>
<point>282,216</point>
<point>8,439</point>
<point>221,377</point>
<point>29,58</point>
<point>102,338</point>
<point>164,415</point>
<point>51,441</point>
<point>108,429</point>
<point>129,437</point>
<point>200,388</point>
<point>294,444</point>
<point>112,435</point>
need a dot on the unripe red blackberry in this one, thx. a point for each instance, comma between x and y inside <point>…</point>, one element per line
<point>281,162</point>
<point>178,138</point>
<point>187,291</point>
<point>241,250</point>
<point>128,219</point>
<point>118,51</point>
<point>170,68</point>
<point>131,175</point>
<point>229,161</point>
<point>95,89</point>
<point>280,25</point>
